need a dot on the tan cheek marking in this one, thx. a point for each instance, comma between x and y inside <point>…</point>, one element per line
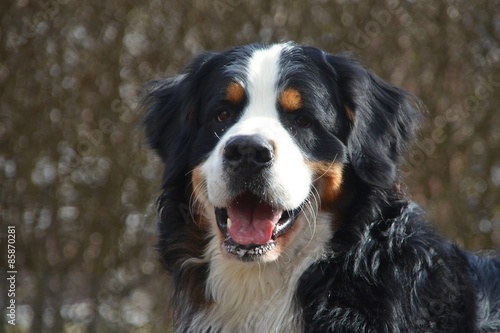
<point>329,178</point>
<point>199,190</point>
<point>350,114</point>
<point>234,93</point>
<point>291,99</point>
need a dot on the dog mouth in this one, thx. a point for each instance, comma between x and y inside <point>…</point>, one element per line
<point>251,226</point>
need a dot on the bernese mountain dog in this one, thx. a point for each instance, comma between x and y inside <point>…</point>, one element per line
<point>282,209</point>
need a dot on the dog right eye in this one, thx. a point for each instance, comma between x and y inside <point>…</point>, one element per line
<point>303,121</point>
<point>223,116</point>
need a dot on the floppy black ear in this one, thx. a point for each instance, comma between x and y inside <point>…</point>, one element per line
<point>384,121</point>
<point>170,118</point>
<point>166,122</point>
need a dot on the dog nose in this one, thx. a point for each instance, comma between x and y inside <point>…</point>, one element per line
<point>248,153</point>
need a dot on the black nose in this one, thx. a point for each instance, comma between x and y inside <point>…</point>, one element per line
<point>248,153</point>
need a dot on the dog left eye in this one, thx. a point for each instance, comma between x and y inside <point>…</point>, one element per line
<point>303,121</point>
<point>223,115</point>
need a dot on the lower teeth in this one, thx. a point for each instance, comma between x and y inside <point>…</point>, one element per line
<point>240,252</point>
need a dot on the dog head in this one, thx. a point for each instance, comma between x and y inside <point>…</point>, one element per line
<point>257,141</point>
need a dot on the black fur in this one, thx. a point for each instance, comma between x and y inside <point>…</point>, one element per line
<point>387,271</point>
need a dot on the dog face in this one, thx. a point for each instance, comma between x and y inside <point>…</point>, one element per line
<point>261,138</point>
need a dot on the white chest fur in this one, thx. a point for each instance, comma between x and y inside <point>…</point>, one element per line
<point>259,297</point>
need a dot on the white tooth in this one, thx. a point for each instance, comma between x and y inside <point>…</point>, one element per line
<point>229,223</point>
<point>241,252</point>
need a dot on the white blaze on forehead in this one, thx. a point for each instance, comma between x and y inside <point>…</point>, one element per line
<point>262,79</point>
<point>262,76</point>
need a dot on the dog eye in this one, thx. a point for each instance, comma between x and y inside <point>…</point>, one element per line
<point>223,115</point>
<point>303,121</point>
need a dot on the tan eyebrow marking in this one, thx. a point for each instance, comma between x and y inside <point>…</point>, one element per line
<point>291,99</point>
<point>234,93</point>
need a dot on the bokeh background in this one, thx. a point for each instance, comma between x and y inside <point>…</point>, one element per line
<point>79,185</point>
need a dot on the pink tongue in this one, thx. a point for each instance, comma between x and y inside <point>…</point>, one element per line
<point>253,221</point>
